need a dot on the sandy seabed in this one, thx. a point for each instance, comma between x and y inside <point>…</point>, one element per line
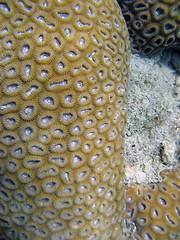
<point>152,135</point>
<point>152,141</point>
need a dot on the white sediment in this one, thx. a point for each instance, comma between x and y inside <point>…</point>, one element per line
<point>153,123</point>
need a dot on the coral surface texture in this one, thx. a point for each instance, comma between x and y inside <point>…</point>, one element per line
<point>63,77</point>
<point>155,208</point>
<point>152,24</point>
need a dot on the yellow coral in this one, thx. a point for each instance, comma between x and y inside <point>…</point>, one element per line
<point>63,75</point>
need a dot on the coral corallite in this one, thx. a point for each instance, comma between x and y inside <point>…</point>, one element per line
<point>63,77</point>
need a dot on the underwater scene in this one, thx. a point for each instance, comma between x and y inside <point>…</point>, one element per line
<point>89,119</point>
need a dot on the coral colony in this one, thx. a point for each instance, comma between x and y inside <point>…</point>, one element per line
<point>152,24</point>
<point>155,208</point>
<point>63,68</point>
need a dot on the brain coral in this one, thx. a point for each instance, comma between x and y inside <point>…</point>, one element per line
<point>63,77</point>
<point>152,24</point>
<point>155,208</point>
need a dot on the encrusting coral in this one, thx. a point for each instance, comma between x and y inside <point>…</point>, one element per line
<point>63,77</point>
<point>152,24</point>
<point>155,208</point>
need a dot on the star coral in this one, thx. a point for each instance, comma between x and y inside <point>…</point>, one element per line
<point>63,78</point>
<point>152,24</point>
<point>155,208</point>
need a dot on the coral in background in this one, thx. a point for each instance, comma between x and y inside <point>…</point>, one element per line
<point>155,208</point>
<point>63,77</point>
<point>152,24</point>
